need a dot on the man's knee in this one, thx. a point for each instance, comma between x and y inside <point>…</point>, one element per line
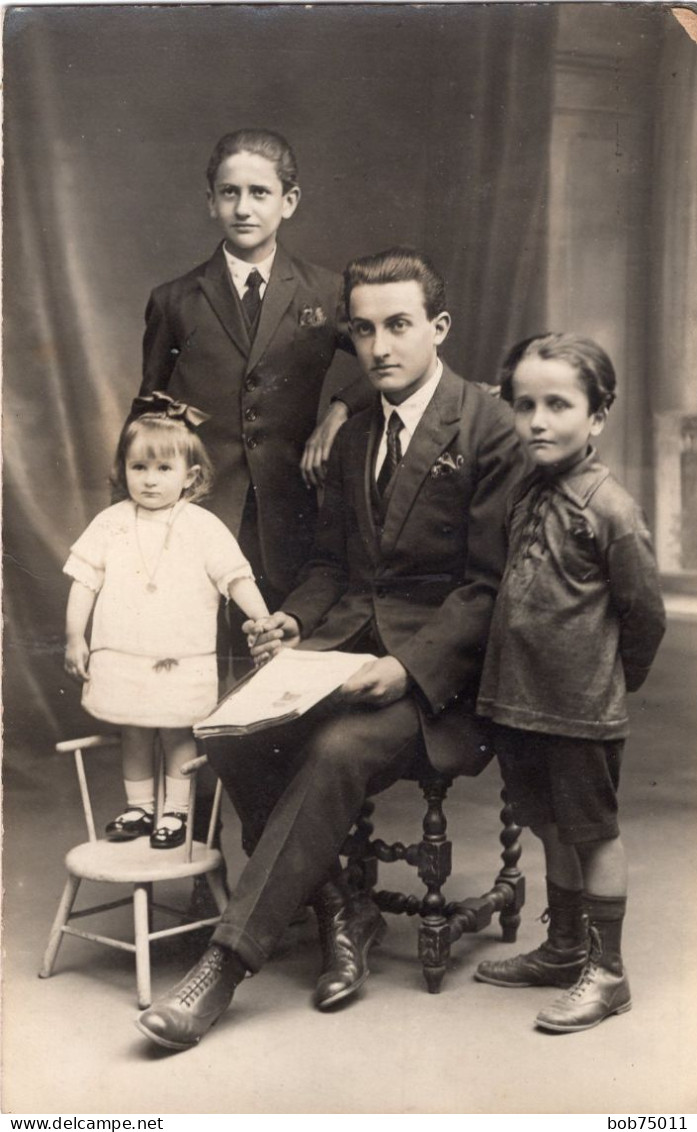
<point>331,745</point>
<point>363,742</point>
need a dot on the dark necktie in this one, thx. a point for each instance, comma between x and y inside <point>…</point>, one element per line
<point>393,454</point>
<point>251,300</point>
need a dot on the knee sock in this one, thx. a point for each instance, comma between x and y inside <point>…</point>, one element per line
<point>141,793</point>
<point>567,927</point>
<point>606,916</point>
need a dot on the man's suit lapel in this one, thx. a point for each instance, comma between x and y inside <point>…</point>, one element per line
<point>277,298</point>
<point>367,440</point>
<point>218,289</point>
<point>437,427</point>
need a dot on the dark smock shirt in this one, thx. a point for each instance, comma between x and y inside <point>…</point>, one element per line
<point>579,614</point>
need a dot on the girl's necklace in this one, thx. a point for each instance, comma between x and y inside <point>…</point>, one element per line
<point>151,584</point>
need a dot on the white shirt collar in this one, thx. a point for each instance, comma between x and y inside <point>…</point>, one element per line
<point>412,410</point>
<point>240,269</point>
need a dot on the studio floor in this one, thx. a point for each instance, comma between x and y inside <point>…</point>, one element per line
<point>69,1045</point>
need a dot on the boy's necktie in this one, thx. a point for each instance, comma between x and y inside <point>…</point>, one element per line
<point>251,300</point>
<point>393,454</point>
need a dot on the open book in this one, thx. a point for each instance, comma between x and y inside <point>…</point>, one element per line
<point>285,688</point>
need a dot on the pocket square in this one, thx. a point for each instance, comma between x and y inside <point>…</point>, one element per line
<point>312,316</point>
<point>446,465</point>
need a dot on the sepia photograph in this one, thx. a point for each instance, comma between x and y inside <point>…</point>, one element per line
<point>349,403</point>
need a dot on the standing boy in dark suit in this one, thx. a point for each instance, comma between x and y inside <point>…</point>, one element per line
<point>408,555</point>
<point>248,337</point>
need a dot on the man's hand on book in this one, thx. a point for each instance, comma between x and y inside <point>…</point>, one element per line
<point>381,682</point>
<point>269,634</point>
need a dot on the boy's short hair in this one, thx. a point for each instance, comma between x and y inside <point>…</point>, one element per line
<point>265,143</point>
<point>594,366</point>
<point>398,265</point>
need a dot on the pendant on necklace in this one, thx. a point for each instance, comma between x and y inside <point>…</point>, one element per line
<point>151,587</point>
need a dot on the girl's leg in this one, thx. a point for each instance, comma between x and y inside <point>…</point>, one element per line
<point>179,747</point>
<point>139,784</point>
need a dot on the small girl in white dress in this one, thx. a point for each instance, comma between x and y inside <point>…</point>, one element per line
<point>155,564</point>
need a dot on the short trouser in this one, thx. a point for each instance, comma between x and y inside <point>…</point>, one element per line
<point>563,781</point>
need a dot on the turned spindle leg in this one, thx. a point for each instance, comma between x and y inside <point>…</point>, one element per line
<point>435,863</point>
<point>510,874</point>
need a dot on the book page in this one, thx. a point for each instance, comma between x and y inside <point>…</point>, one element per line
<point>288,686</point>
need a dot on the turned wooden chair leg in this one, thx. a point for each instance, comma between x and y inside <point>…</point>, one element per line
<point>142,943</point>
<point>361,870</point>
<point>510,874</point>
<point>435,864</point>
<point>62,915</point>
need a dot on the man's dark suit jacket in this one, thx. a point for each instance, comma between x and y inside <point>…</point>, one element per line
<point>262,396</point>
<point>428,578</point>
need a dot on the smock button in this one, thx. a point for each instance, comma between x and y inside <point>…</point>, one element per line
<point>250,383</point>
<point>250,414</point>
<point>252,441</point>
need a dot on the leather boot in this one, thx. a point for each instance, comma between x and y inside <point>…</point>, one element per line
<point>349,925</point>
<point>180,1018</point>
<point>559,961</point>
<point>603,987</point>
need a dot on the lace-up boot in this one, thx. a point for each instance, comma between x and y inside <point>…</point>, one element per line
<point>349,925</point>
<point>602,988</point>
<point>559,961</point>
<point>180,1018</point>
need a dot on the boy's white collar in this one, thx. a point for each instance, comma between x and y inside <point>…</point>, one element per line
<point>240,269</point>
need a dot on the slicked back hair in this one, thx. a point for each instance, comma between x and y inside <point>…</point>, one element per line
<point>398,265</point>
<point>264,143</point>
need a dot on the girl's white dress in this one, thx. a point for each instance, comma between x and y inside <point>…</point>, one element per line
<point>159,576</point>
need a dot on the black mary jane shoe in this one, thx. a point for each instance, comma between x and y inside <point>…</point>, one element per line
<point>124,829</point>
<point>165,838</point>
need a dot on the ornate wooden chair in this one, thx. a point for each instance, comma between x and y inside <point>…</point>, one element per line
<point>442,922</point>
<point>136,864</point>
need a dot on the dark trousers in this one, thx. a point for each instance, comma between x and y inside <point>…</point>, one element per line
<point>234,660</point>
<point>299,787</point>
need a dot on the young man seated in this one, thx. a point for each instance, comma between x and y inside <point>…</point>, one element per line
<point>408,555</point>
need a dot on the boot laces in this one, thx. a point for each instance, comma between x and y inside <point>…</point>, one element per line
<point>201,979</point>
<point>589,971</point>
<point>337,942</point>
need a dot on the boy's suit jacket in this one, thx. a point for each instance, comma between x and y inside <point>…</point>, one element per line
<point>428,578</point>
<point>262,396</point>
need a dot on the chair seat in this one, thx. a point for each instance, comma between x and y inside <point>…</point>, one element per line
<point>135,861</point>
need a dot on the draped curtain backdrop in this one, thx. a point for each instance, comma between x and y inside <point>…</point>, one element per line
<point>427,126</point>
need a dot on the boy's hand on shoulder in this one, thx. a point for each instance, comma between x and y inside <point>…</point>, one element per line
<point>379,682</point>
<point>268,635</point>
<point>77,658</point>
<point>314,462</point>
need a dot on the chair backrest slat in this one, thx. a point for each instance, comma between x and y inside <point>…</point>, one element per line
<point>76,748</point>
<point>215,811</point>
<point>85,794</point>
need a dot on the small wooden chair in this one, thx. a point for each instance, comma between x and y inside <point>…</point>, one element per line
<point>441,922</point>
<point>134,863</point>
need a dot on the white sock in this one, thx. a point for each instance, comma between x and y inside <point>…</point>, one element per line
<point>177,791</point>
<point>141,793</point>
